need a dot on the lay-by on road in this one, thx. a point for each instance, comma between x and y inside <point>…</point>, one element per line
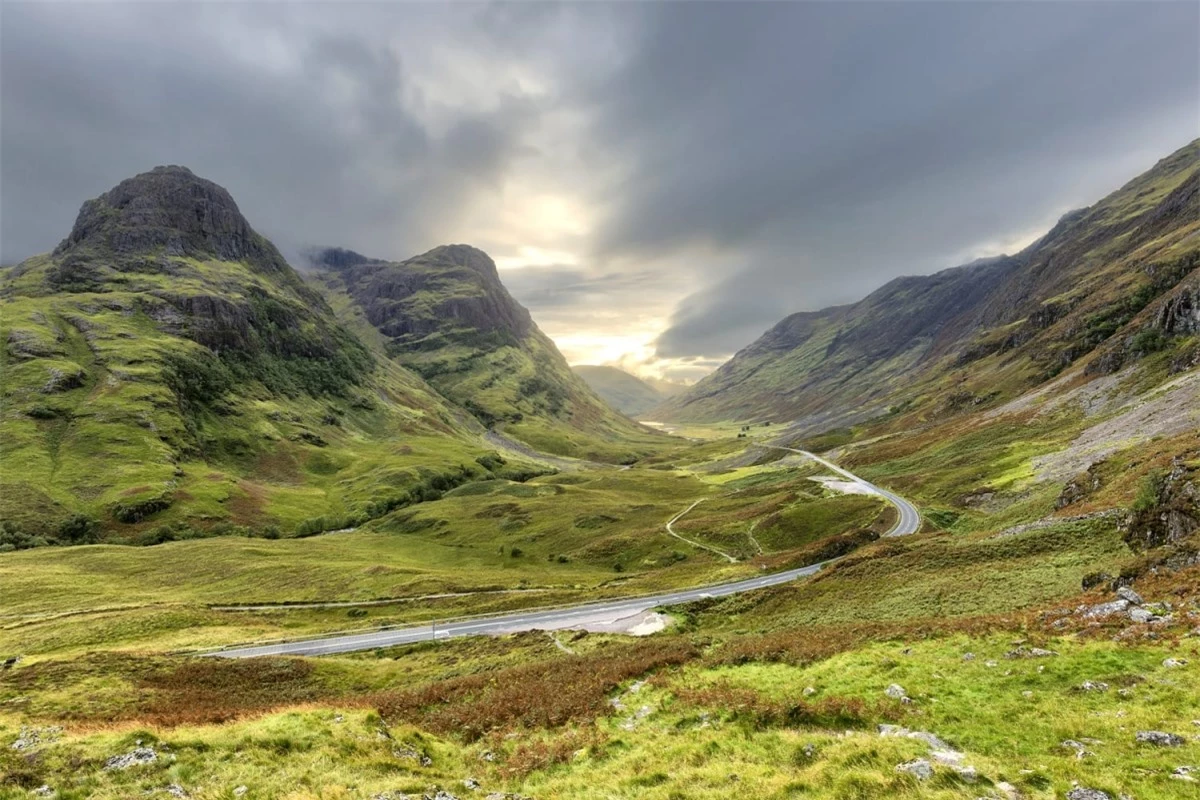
<point>572,617</point>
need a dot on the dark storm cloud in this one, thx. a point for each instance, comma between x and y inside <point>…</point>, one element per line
<point>315,128</point>
<point>720,165</point>
<point>833,146</point>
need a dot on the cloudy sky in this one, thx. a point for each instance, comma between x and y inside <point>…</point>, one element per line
<point>659,183</point>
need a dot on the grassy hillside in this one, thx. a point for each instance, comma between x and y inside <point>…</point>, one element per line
<point>446,315</point>
<point>166,374</point>
<point>627,393</point>
<point>1053,452</point>
<point>1108,286</point>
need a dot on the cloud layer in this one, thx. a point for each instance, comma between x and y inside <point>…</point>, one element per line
<point>660,183</point>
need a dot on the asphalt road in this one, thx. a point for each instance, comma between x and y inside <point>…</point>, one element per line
<point>910,518</point>
<point>599,613</point>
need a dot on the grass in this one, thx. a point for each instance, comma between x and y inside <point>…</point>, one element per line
<point>714,707</point>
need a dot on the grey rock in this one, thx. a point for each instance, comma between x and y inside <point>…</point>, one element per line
<point>1141,616</point>
<point>1102,610</point>
<point>43,791</point>
<point>241,790</point>
<point>967,773</point>
<point>968,657</point>
<point>930,739</point>
<point>471,783</point>
<point>1029,652</point>
<point>1183,773</point>
<point>1160,738</point>
<point>175,790</point>
<point>137,757</point>
<point>919,768</point>
<point>895,691</point>
<point>30,737</point>
<point>1083,793</point>
<point>1126,593</point>
<point>1093,686</point>
<point>1171,663</point>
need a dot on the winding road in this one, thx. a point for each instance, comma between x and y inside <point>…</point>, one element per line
<point>601,613</point>
<point>910,518</point>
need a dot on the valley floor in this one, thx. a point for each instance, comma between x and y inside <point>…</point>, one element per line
<point>963,661</point>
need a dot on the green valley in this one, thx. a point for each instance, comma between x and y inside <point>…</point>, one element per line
<point>204,448</point>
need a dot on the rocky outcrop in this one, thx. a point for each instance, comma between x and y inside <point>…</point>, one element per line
<point>169,210</point>
<point>1179,315</point>
<point>449,290</point>
<point>1171,515</point>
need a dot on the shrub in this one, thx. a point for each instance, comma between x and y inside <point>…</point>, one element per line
<point>78,529</point>
<point>1148,491</point>
<point>130,511</point>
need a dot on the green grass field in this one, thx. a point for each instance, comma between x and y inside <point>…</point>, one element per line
<point>101,628</point>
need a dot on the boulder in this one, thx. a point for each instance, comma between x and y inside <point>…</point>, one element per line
<point>919,768</point>
<point>1160,738</point>
<point>896,692</point>
<point>1083,793</point>
<point>137,757</point>
<point>1127,593</point>
<point>1102,610</point>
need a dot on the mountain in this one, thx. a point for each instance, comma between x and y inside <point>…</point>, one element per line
<point>166,373</point>
<point>1107,286</point>
<point>627,393</point>
<point>447,316</point>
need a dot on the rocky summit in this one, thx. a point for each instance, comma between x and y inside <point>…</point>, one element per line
<point>172,211</point>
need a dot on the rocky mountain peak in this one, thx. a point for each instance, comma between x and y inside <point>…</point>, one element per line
<point>462,255</point>
<point>172,209</point>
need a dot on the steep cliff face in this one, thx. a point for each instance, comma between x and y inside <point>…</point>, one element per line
<point>165,366</point>
<point>1108,285</point>
<point>453,291</point>
<point>447,315</point>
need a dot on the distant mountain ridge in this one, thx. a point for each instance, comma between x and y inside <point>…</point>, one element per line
<point>1106,286</point>
<point>627,393</point>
